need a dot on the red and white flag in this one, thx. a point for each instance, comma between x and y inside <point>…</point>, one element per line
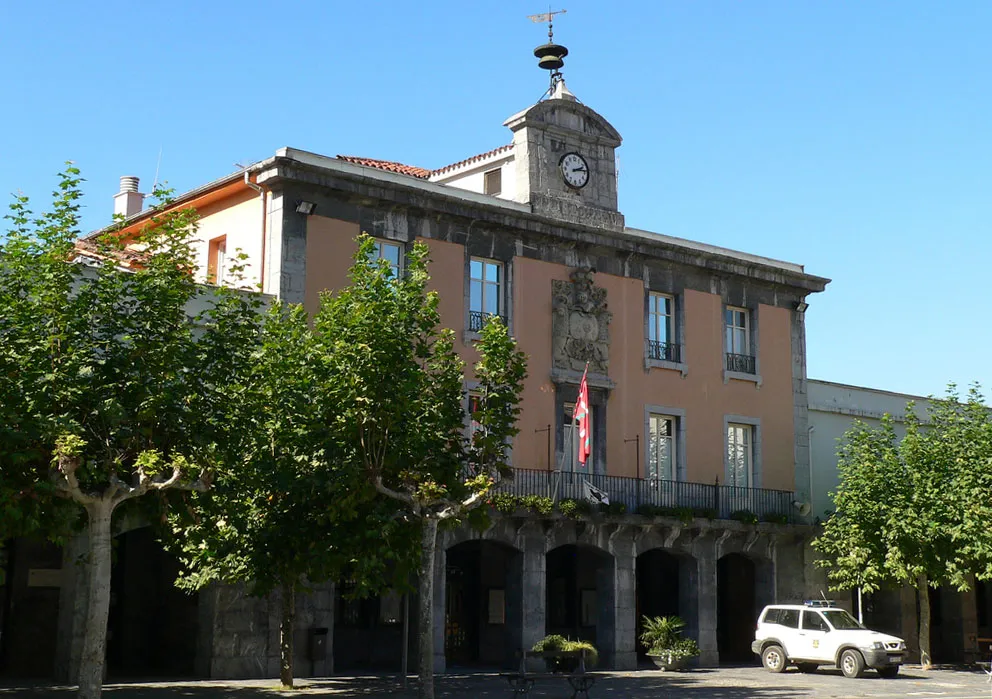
<point>582,416</point>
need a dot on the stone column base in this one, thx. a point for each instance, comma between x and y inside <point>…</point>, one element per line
<point>709,658</point>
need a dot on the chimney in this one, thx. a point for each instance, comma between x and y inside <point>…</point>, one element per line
<point>128,201</point>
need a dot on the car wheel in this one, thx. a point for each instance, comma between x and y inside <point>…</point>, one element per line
<point>852,663</point>
<point>888,672</point>
<point>773,658</point>
<point>808,667</point>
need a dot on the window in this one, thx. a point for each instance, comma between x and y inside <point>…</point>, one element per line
<point>392,253</point>
<point>570,441</point>
<point>740,455</point>
<point>485,291</point>
<point>662,343</point>
<point>661,447</point>
<point>493,181</point>
<point>813,621</point>
<point>738,331</point>
<point>474,405</point>
<point>783,617</point>
<point>217,260</point>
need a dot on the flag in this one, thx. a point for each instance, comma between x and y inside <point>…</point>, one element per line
<point>594,494</point>
<point>582,416</point>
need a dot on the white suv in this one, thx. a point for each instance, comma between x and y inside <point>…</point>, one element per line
<point>818,633</point>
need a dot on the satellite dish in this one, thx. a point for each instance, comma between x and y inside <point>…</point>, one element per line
<point>803,508</point>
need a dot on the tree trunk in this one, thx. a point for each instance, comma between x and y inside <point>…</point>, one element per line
<point>923,588</point>
<point>94,655</point>
<point>428,545</point>
<point>286,626</point>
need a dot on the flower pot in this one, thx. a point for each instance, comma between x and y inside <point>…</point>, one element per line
<point>665,661</point>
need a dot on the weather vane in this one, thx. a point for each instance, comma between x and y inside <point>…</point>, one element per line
<point>551,56</point>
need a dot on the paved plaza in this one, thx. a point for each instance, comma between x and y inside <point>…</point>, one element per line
<point>724,683</point>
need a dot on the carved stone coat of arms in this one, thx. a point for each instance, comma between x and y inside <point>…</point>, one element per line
<point>580,325</point>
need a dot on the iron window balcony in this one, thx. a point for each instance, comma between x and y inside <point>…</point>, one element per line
<point>741,363</point>
<point>664,351</point>
<point>477,319</point>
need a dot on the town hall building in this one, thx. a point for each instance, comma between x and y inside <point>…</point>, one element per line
<point>697,376</point>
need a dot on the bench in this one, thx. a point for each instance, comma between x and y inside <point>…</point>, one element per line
<point>579,679</point>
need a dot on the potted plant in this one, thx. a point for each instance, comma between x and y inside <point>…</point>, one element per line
<point>662,636</point>
<point>554,643</point>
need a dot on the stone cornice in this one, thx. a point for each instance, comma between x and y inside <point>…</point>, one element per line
<point>371,187</point>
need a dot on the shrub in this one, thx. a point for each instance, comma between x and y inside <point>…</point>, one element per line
<point>647,510</point>
<point>505,503</point>
<point>745,516</point>
<point>550,642</point>
<point>614,508</point>
<point>775,518</point>
<point>705,512</point>
<point>570,507</point>
<point>538,503</point>
<point>554,642</point>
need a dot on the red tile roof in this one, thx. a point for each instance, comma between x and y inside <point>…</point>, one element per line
<point>389,165</point>
<point>475,158</point>
<point>419,172</point>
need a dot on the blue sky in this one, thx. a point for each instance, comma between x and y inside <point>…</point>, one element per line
<point>852,137</point>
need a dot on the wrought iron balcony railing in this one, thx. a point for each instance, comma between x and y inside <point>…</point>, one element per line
<point>664,351</point>
<point>742,363</point>
<point>476,319</point>
<point>721,500</point>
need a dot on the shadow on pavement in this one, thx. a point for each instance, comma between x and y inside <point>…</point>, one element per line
<point>468,686</point>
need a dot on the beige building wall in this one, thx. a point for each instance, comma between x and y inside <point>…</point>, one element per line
<point>703,394</point>
<point>239,218</point>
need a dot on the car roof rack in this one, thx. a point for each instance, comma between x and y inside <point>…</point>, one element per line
<point>818,603</point>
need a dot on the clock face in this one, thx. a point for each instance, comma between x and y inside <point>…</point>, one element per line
<point>574,170</point>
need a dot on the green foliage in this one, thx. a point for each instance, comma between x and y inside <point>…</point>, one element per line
<point>551,642</point>
<point>381,337</point>
<point>772,518</point>
<point>914,511</point>
<point>538,504</point>
<point>105,362</point>
<point>504,503</point>
<point>287,505</point>
<point>745,516</point>
<point>663,636</point>
<point>555,642</point>
<point>570,507</point>
<point>614,508</point>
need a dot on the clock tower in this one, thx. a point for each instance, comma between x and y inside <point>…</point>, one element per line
<point>564,159</point>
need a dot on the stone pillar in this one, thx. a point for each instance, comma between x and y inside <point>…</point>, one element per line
<point>72,609</point>
<point>688,595</point>
<point>910,622</point>
<point>969,624</point>
<point>625,612</point>
<point>533,582</point>
<point>607,601</point>
<point>440,607</point>
<point>706,599</point>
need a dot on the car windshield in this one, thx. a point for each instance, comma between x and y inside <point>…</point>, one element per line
<point>841,620</point>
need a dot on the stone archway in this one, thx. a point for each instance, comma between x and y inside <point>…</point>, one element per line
<point>737,607</point>
<point>482,603</point>
<point>666,586</point>
<point>153,629</point>
<point>580,596</point>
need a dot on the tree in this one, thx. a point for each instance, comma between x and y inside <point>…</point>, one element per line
<point>399,386</point>
<point>285,510</point>
<point>114,392</point>
<point>910,512</point>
